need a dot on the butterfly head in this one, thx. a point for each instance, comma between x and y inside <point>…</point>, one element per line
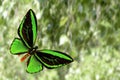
<point>33,50</point>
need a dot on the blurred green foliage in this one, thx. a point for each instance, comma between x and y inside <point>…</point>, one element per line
<point>88,30</point>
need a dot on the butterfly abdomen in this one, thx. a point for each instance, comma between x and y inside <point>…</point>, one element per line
<point>24,57</point>
<point>30,52</point>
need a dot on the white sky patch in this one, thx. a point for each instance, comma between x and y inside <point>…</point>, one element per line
<point>63,40</point>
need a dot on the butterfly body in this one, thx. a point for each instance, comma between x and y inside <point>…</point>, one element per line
<point>27,32</point>
<point>30,52</point>
<point>33,50</point>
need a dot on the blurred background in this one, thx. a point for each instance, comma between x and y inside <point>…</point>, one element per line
<point>87,30</point>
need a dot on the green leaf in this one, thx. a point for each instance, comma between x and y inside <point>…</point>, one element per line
<point>63,20</point>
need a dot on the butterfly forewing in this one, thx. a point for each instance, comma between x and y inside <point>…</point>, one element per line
<point>53,59</point>
<point>28,29</point>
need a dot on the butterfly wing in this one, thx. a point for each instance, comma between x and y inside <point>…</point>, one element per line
<point>17,47</point>
<point>28,29</point>
<point>33,65</point>
<point>53,59</point>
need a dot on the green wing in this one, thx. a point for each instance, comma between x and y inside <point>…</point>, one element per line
<point>53,59</point>
<point>17,47</point>
<point>28,29</point>
<point>34,65</point>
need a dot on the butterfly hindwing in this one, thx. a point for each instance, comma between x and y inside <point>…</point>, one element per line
<point>33,65</point>
<point>53,59</point>
<point>28,29</point>
<point>17,47</point>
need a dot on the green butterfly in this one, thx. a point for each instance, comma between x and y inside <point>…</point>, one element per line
<point>27,32</point>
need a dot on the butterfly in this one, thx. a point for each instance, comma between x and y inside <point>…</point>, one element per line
<point>27,33</point>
